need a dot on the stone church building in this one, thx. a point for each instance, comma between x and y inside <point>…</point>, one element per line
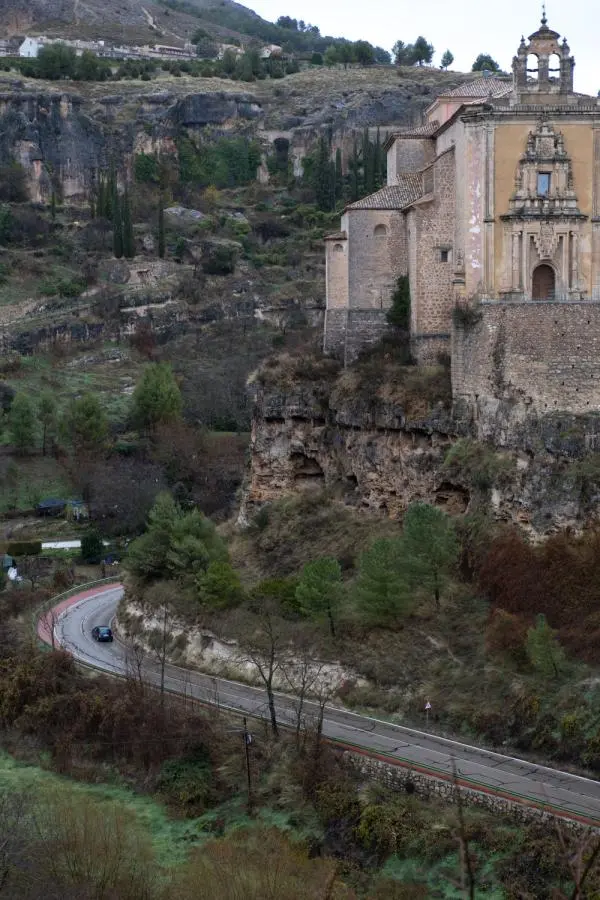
<point>494,201</point>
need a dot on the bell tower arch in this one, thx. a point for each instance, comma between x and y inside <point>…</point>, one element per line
<point>543,67</point>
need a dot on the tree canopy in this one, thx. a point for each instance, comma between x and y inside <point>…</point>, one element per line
<point>319,591</point>
<point>156,399</point>
<point>382,591</point>
<point>447,59</point>
<point>86,424</point>
<point>176,545</point>
<point>413,54</point>
<point>430,547</point>
<point>22,424</point>
<point>485,62</point>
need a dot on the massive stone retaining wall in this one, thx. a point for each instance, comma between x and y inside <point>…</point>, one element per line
<point>542,356</point>
<point>349,331</point>
<point>399,778</point>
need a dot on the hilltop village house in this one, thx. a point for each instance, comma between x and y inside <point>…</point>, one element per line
<point>493,202</point>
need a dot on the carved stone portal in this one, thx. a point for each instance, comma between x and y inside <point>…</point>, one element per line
<point>543,223</point>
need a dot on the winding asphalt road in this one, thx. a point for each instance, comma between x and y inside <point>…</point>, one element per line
<point>561,793</point>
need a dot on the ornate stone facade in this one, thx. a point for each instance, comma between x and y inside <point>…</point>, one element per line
<point>495,198</point>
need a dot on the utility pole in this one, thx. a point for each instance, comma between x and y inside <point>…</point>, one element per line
<point>247,741</point>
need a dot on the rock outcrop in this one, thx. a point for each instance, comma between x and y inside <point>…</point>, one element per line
<point>318,428</point>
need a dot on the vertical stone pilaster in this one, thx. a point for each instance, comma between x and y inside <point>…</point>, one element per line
<point>595,275</point>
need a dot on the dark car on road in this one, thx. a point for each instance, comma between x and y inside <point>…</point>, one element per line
<point>102,633</point>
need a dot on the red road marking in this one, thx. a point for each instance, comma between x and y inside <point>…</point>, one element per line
<point>44,633</point>
<point>44,625</point>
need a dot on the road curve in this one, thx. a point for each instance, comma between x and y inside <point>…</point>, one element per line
<point>569,796</point>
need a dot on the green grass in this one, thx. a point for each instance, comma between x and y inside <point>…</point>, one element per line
<point>25,482</point>
<point>171,838</point>
<point>88,371</point>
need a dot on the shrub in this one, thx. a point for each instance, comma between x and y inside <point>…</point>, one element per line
<point>506,634</point>
<point>24,548</point>
<point>465,315</point>
<point>13,184</point>
<point>399,312</point>
<point>92,547</point>
<point>219,259</point>
<point>146,168</point>
<point>478,464</point>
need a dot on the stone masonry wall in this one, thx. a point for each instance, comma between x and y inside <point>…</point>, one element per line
<point>398,778</point>
<point>336,272</point>
<point>435,234</point>
<point>408,155</point>
<point>543,356</point>
<point>349,331</point>
<point>376,256</point>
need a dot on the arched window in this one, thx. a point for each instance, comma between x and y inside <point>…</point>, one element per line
<point>532,66</point>
<point>337,248</point>
<point>380,231</point>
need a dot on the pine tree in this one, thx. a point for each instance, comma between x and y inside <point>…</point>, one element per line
<point>446,60</point>
<point>128,239</point>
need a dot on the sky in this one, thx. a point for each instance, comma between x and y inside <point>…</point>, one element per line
<point>465,27</point>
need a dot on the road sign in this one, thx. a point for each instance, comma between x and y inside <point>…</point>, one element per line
<point>427,706</point>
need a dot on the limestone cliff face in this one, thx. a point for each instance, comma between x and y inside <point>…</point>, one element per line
<point>310,432</point>
<point>58,145</point>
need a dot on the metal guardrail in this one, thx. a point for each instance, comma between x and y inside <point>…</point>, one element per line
<point>53,601</point>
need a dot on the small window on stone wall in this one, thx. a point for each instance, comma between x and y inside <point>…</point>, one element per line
<point>444,254</point>
<point>337,248</point>
<point>380,231</point>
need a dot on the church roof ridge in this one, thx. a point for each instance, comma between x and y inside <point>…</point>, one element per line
<point>394,196</point>
<point>481,87</point>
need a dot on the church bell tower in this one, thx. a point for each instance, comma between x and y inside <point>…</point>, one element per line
<point>543,68</point>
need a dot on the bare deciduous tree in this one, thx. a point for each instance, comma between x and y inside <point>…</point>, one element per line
<point>48,621</point>
<point>160,640</point>
<point>33,568</point>
<point>263,648</point>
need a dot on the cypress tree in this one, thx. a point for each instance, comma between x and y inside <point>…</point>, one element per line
<point>161,226</point>
<point>128,240</point>
<point>339,177</point>
<point>110,195</point>
<point>368,163</point>
<point>117,219</point>
<point>355,169</point>
<point>324,177</point>
<point>100,202</point>
<point>378,162</point>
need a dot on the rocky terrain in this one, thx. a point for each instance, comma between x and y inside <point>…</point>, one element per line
<point>381,435</point>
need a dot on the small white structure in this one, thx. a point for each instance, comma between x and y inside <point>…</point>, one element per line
<point>30,47</point>
<point>271,52</point>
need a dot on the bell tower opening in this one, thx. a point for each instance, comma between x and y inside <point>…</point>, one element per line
<point>544,282</point>
<point>543,67</point>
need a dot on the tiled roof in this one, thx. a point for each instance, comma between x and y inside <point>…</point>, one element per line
<point>481,87</point>
<point>336,236</point>
<point>420,130</point>
<point>394,196</point>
